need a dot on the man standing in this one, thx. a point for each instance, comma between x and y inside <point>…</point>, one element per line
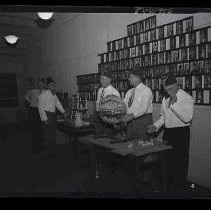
<point>34,119</point>
<point>139,108</point>
<point>176,116</point>
<point>105,90</point>
<point>47,104</point>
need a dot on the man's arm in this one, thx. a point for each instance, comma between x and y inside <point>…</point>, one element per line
<point>59,106</point>
<point>183,109</point>
<point>41,103</point>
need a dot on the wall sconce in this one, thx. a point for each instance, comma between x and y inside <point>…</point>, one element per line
<point>11,39</point>
<point>45,15</point>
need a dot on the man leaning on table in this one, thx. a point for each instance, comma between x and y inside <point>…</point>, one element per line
<point>176,116</point>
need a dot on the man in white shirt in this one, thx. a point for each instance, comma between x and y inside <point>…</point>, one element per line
<point>106,89</point>
<point>47,104</point>
<point>139,108</point>
<point>33,116</point>
<point>176,116</point>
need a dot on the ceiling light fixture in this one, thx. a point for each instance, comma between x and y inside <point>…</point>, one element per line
<point>45,15</point>
<point>11,39</point>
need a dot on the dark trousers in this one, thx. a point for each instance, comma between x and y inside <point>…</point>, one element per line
<point>137,128</point>
<point>102,127</point>
<point>35,129</point>
<point>49,132</point>
<point>178,157</point>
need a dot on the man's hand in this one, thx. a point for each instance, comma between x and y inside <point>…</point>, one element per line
<point>151,129</point>
<point>127,118</point>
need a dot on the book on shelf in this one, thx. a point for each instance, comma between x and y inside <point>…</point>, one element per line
<point>199,96</point>
<point>206,97</point>
<point>188,82</point>
<point>203,35</point>
<point>181,82</point>
<point>207,81</point>
<point>197,82</point>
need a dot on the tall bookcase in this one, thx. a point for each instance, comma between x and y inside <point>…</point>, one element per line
<point>174,47</point>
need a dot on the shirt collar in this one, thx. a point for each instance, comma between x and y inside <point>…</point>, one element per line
<point>108,87</point>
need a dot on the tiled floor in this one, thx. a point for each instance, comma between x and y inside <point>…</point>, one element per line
<point>23,173</point>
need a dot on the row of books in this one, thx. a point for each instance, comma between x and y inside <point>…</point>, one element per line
<point>173,28</point>
<point>156,62</point>
<point>195,37</point>
<point>190,53</point>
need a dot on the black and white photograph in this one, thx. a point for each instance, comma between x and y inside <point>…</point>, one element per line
<point>103,134</point>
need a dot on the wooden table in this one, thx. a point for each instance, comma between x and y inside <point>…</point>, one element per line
<point>136,153</point>
<point>74,133</point>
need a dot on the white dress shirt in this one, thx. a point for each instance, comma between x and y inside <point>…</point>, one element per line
<point>32,97</point>
<point>48,102</point>
<point>177,115</point>
<point>103,92</point>
<point>142,102</point>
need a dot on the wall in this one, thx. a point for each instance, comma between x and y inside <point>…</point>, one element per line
<point>70,47</point>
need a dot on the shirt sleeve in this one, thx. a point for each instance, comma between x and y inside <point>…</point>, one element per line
<point>160,122</point>
<point>41,103</point>
<point>59,106</point>
<point>143,103</point>
<point>183,109</point>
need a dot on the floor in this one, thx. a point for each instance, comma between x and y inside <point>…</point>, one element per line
<point>25,174</point>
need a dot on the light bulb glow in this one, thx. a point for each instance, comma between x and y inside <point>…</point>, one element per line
<point>45,15</point>
<point>11,39</point>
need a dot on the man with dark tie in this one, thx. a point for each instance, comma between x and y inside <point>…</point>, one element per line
<point>176,116</point>
<point>105,90</point>
<point>139,108</point>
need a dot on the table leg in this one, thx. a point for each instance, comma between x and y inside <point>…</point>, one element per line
<point>164,171</point>
<point>93,166</point>
<point>135,172</point>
